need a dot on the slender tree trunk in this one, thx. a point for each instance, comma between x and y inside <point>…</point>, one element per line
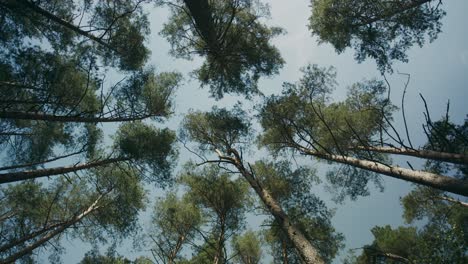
<point>27,250</point>
<point>219,257</point>
<point>449,199</point>
<point>28,237</point>
<point>305,249</point>
<point>77,119</point>
<point>66,24</point>
<point>284,252</point>
<point>200,11</point>
<point>433,180</point>
<point>178,246</point>
<point>424,154</point>
<point>39,162</point>
<point>32,174</point>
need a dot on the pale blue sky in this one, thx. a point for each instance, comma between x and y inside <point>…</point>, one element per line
<point>439,71</point>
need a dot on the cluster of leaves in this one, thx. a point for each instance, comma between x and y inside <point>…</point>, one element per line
<point>382,30</point>
<point>231,37</point>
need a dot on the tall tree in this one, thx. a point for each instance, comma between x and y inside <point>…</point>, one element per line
<point>293,190</point>
<point>232,39</point>
<point>224,202</point>
<point>247,248</point>
<point>175,223</point>
<point>382,30</point>
<point>91,208</point>
<point>351,133</point>
<point>221,131</point>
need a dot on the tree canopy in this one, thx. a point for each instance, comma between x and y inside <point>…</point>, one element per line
<point>381,30</point>
<point>231,37</point>
<point>88,141</point>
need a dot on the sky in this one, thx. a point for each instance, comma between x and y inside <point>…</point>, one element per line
<point>438,70</point>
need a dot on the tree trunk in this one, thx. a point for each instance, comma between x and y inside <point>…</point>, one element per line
<point>424,154</point>
<point>28,237</point>
<point>77,119</point>
<point>32,174</point>
<point>305,249</point>
<point>200,11</point>
<point>284,252</point>
<point>49,236</point>
<point>219,257</point>
<point>433,180</point>
<point>32,164</point>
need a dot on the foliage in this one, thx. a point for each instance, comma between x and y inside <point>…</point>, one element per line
<point>223,199</point>
<point>175,223</point>
<point>218,129</point>
<point>32,212</point>
<point>382,30</point>
<point>115,29</point>
<point>303,117</point>
<point>93,257</point>
<point>293,190</point>
<point>232,39</point>
<point>149,147</point>
<point>247,248</point>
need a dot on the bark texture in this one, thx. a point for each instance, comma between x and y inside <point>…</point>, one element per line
<point>433,180</point>
<point>305,249</point>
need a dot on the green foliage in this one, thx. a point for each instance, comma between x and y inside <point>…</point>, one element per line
<point>93,257</point>
<point>149,147</point>
<point>303,117</point>
<point>382,30</point>
<point>229,34</point>
<point>213,190</point>
<point>175,223</point>
<point>219,129</point>
<point>114,30</point>
<point>148,94</point>
<point>35,211</point>
<point>445,136</point>
<point>293,190</point>
<point>248,248</point>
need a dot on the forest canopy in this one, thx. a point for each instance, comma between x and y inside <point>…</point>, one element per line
<point>217,131</point>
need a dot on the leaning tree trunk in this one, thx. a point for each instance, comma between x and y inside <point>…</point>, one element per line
<point>419,153</point>
<point>305,249</point>
<point>425,178</point>
<point>32,174</point>
<point>27,250</point>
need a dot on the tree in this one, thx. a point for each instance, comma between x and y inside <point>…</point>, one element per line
<point>117,29</point>
<point>93,257</point>
<point>293,190</point>
<point>355,133</point>
<point>221,131</point>
<point>229,34</point>
<point>442,239</point>
<point>382,30</point>
<point>91,208</point>
<point>142,145</point>
<point>223,201</point>
<point>54,97</point>
<point>247,248</point>
<point>175,223</point>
